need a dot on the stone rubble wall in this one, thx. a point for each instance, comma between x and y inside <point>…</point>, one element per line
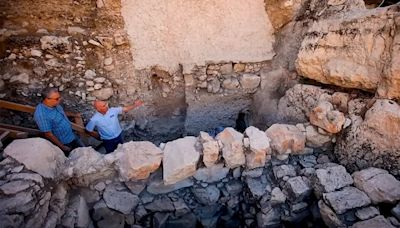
<point>280,176</point>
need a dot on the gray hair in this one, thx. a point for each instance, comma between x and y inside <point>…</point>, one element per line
<point>49,90</point>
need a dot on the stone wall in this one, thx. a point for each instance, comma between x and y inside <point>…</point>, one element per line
<point>256,179</point>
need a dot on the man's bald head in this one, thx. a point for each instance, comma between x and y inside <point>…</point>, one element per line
<point>101,106</point>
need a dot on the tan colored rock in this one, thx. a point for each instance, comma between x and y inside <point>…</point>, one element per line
<point>180,160</point>
<point>136,160</point>
<point>210,149</point>
<point>43,158</point>
<point>351,51</point>
<point>286,139</point>
<point>232,150</point>
<point>281,12</point>
<point>259,148</point>
<point>389,86</point>
<point>340,101</point>
<point>326,118</point>
<point>380,186</point>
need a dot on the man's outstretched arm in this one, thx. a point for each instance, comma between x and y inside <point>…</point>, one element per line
<point>135,104</point>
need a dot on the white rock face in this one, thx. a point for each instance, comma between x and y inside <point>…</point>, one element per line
<point>103,94</point>
<point>380,186</point>
<point>179,160</point>
<point>38,155</point>
<point>136,160</point>
<point>244,34</point>
<point>286,139</point>
<point>259,148</point>
<point>232,150</point>
<point>210,149</point>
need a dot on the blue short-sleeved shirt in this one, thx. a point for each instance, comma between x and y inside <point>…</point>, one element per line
<point>107,124</point>
<point>55,121</point>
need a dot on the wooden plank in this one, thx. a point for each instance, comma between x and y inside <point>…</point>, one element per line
<point>15,134</point>
<point>4,136</point>
<point>31,131</point>
<point>17,107</point>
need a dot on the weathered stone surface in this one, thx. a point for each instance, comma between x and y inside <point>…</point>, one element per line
<point>284,170</point>
<point>136,160</point>
<point>258,186</point>
<point>77,213</point>
<point>271,218</point>
<point>326,118</point>
<point>84,161</point>
<point>55,43</point>
<point>259,148</point>
<point>20,78</point>
<point>162,204</point>
<point>11,220</point>
<point>27,177</point>
<point>373,141</point>
<point>103,94</point>
<point>378,221</point>
<point>208,195</point>
<point>156,184</point>
<point>277,196</point>
<point>282,12</point>
<point>296,105</point>
<point>18,203</point>
<point>329,216</point>
<point>43,157</point>
<point>298,188</point>
<point>232,150</point>
<point>212,174</point>
<point>120,200</point>
<point>180,160</point>
<point>286,139</point>
<point>330,179</point>
<point>367,213</point>
<point>250,81</point>
<point>315,139</point>
<point>380,186</point>
<point>346,199</point>
<point>210,149</point>
<point>324,54</point>
<point>107,218</point>
<point>15,187</point>
<point>136,187</point>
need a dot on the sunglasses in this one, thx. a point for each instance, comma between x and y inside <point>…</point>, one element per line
<point>56,98</point>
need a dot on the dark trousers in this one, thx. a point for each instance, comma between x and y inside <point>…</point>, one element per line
<point>112,144</point>
<point>74,144</point>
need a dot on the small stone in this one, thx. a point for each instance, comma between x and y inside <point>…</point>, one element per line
<point>90,74</point>
<point>36,53</point>
<point>89,83</point>
<point>76,30</point>
<point>346,199</point>
<point>98,86</point>
<point>367,213</point>
<point>298,188</point>
<point>284,170</point>
<point>100,186</point>
<point>277,196</point>
<point>100,80</point>
<point>104,93</point>
<point>95,43</point>
<point>239,67</point>
<point>20,78</point>
<point>108,61</point>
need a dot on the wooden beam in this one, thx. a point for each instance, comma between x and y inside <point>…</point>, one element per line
<point>15,134</point>
<point>4,135</point>
<point>31,131</point>
<point>17,107</point>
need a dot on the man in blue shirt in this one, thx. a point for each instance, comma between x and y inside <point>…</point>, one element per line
<point>107,123</point>
<point>52,121</point>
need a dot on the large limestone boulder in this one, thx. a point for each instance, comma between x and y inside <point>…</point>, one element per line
<point>180,159</point>
<point>210,149</point>
<point>374,140</point>
<point>353,51</point>
<point>232,150</point>
<point>37,155</point>
<point>326,118</point>
<point>380,186</point>
<point>286,139</point>
<point>136,160</point>
<point>259,148</point>
<point>85,166</point>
